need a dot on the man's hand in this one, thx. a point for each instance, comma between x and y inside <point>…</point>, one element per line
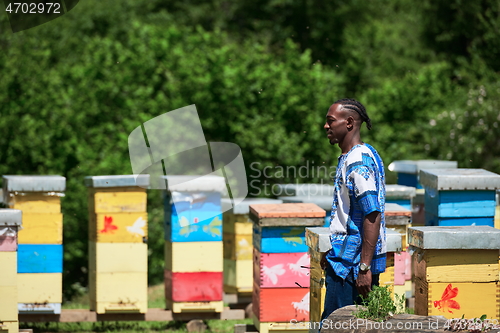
<point>323,262</point>
<point>364,283</point>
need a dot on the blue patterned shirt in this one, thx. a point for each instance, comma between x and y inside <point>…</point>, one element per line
<point>359,190</point>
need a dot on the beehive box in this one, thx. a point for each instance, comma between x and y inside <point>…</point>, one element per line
<point>318,242</point>
<point>238,246</point>
<point>456,271</point>
<point>408,170</point>
<point>459,197</point>
<point>324,202</point>
<point>398,218</point>
<point>118,250</point>
<point>193,243</point>
<point>400,194</point>
<point>281,290</point>
<point>10,222</point>
<point>40,251</point>
<point>394,247</point>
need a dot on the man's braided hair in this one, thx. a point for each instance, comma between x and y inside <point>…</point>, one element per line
<point>356,106</point>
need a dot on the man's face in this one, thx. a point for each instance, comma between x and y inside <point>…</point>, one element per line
<point>336,124</point>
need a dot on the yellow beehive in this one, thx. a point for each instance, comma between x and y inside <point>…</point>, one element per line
<point>36,202</point>
<point>8,286</point>
<point>10,221</point>
<point>203,256</point>
<point>118,252</point>
<point>118,227</point>
<point>317,289</point>
<point>39,198</point>
<point>238,276</point>
<point>39,287</point>
<point>238,246</point>
<point>456,271</point>
<point>318,241</point>
<point>41,228</point>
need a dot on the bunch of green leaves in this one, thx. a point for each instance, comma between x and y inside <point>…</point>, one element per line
<point>378,305</point>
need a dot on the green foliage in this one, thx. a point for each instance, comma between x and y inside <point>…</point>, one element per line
<point>463,29</point>
<point>379,306</point>
<point>262,75</point>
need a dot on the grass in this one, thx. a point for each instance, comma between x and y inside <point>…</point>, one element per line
<point>379,305</point>
<point>156,299</point>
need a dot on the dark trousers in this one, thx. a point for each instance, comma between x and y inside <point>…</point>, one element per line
<point>340,293</point>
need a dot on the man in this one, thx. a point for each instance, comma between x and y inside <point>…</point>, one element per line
<point>357,225</point>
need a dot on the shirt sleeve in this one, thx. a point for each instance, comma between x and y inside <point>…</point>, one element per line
<point>361,181</point>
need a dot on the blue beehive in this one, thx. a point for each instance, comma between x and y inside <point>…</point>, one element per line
<point>459,197</point>
<point>193,210</point>
<point>408,171</point>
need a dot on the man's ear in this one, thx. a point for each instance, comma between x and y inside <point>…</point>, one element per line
<point>350,123</point>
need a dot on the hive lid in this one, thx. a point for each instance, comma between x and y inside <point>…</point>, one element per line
<point>10,217</point>
<point>303,190</point>
<point>413,167</point>
<point>34,183</point>
<point>459,179</point>
<point>462,237</point>
<point>287,214</point>
<point>318,239</point>
<point>393,240</point>
<point>324,201</point>
<point>243,207</point>
<point>206,183</point>
<point>117,181</point>
<point>394,191</point>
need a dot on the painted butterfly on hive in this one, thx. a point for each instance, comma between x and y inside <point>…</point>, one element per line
<point>272,273</point>
<point>109,227</point>
<point>303,305</point>
<point>213,228</point>
<point>137,228</point>
<point>293,237</point>
<point>446,302</point>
